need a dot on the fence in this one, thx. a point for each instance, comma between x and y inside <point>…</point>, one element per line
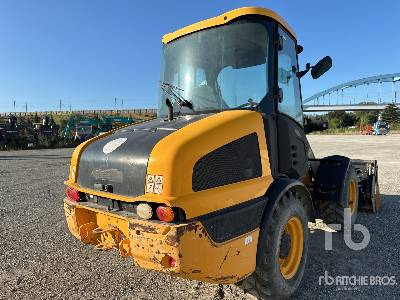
<point>139,111</point>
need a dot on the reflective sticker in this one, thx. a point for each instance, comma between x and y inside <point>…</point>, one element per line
<point>73,172</point>
<point>114,144</point>
<point>248,240</point>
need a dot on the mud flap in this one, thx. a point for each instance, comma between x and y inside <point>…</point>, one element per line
<point>329,173</point>
<point>329,178</point>
<point>367,172</point>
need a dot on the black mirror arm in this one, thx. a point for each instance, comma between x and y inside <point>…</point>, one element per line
<point>300,74</point>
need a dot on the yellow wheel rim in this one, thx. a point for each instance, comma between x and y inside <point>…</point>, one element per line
<point>291,262</point>
<point>352,194</point>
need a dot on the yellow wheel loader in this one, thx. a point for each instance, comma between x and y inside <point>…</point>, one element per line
<point>221,185</point>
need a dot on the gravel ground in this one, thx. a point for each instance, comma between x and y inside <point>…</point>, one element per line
<point>40,259</point>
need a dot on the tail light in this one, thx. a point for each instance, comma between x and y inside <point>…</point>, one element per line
<point>168,262</point>
<point>73,194</point>
<point>165,213</point>
<point>172,262</point>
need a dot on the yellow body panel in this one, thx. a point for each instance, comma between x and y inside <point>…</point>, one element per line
<point>150,242</point>
<point>175,156</point>
<point>225,18</point>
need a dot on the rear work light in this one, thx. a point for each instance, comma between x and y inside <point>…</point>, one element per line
<point>144,211</point>
<point>165,213</point>
<point>73,194</point>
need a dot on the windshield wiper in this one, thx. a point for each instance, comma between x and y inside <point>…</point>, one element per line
<point>174,92</point>
<point>250,103</point>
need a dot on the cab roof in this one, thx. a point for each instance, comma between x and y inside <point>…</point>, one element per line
<point>225,18</point>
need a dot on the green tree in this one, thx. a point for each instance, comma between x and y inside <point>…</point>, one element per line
<point>342,119</point>
<point>391,114</point>
<point>335,123</point>
<point>366,117</point>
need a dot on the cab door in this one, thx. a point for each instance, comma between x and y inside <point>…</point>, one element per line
<point>292,143</point>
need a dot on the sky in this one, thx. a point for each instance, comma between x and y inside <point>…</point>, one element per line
<point>87,53</point>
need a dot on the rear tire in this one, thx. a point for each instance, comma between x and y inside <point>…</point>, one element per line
<point>278,273</point>
<point>333,212</point>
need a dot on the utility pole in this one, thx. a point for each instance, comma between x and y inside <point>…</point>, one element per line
<point>70,107</point>
<point>115,102</point>
<point>14,105</point>
<point>60,104</point>
<point>26,107</point>
<point>122,103</point>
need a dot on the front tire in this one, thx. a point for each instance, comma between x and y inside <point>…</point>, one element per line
<point>284,253</point>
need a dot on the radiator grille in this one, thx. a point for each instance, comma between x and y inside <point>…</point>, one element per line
<point>234,162</point>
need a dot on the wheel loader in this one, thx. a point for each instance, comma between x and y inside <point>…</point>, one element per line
<point>221,185</point>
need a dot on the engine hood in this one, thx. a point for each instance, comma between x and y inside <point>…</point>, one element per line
<point>119,161</point>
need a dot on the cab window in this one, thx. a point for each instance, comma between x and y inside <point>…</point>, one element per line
<point>287,79</point>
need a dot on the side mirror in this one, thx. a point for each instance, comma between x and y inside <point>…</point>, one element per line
<point>321,67</point>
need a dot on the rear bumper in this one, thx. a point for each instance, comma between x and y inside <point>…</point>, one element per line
<point>151,244</point>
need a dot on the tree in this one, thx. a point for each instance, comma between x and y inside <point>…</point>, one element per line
<point>341,119</point>
<point>335,123</point>
<point>366,117</point>
<point>391,114</point>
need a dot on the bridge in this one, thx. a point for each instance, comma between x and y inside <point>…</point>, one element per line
<point>370,93</point>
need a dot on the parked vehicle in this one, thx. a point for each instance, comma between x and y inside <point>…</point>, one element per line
<point>221,186</point>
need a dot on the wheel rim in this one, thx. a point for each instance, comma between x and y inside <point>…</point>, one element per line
<point>290,262</point>
<point>352,193</point>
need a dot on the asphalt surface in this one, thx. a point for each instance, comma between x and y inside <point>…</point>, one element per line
<point>40,259</point>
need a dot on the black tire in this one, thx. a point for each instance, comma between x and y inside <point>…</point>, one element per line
<point>268,281</point>
<point>333,212</point>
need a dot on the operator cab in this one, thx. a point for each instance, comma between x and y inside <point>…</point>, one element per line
<point>250,63</point>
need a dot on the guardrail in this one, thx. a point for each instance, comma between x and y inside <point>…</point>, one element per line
<point>139,111</point>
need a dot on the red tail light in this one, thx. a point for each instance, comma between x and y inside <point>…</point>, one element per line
<point>168,262</point>
<point>172,262</point>
<point>73,194</point>
<point>165,213</point>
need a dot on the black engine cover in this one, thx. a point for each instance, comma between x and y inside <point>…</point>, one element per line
<point>119,161</point>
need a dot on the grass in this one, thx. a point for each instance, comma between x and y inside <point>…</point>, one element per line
<point>338,131</point>
<point>350,131</point>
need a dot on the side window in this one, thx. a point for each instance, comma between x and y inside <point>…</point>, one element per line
<point>287,79</point>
